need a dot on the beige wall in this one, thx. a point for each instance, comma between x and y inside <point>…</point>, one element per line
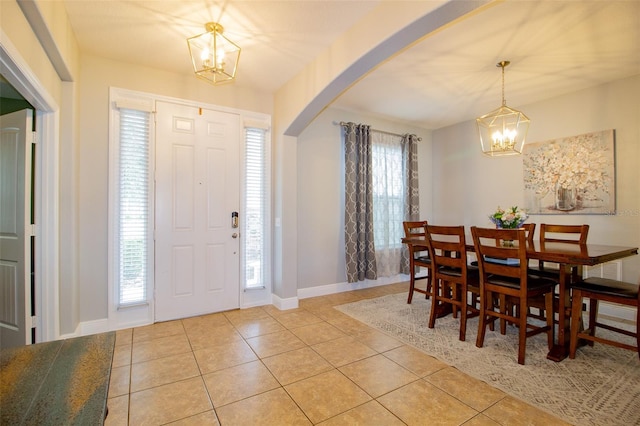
<point>460,185</point>
<point>468,186</point>
<point>96,76</point>
<point>305,96</point>
<point>320,185</point>
<point>54,101</point>
<point>18,33</point>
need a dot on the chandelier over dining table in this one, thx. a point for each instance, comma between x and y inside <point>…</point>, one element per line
<point>504,130</point>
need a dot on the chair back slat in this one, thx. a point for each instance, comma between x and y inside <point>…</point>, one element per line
<point>447,246</point>
<point>414,228</point>
<point>492,248</point>
<point>550,233</point>
<point>530,229</point>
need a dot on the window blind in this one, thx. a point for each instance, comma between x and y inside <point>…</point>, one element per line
<point>256,193</point>
<point>133,219</point>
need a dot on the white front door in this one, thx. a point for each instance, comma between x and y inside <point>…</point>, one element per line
<point>197,190</point>
<point>15,217</point>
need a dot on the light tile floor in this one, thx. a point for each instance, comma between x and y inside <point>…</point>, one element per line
<point>311,365</point>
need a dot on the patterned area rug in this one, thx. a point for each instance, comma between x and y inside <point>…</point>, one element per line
<point>601,386</point>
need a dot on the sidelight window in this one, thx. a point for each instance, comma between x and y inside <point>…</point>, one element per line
<point>256,196</point>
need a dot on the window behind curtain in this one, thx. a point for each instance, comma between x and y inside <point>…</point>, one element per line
<point>255,236</point>
<point>133,207</point>
<point>388,201</point>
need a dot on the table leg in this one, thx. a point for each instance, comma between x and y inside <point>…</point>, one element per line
<point>561,349</point>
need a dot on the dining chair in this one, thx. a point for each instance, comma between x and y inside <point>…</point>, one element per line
<point>455,283</point>
<point>550,233</point>
<point>504,277</point>
<point>418,258</point>
<point>529,230</point>
<point>606,290</point>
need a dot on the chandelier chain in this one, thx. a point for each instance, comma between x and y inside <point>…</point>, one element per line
<point>502,65</point>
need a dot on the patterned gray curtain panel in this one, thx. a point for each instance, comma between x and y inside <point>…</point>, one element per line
<point>412,193</point>
<point>358,217</point>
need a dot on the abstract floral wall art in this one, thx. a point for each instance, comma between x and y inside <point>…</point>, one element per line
<point>572,175</point>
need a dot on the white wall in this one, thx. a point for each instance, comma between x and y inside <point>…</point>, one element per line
<point>320,161</point>
<point>96,76</point>
<point>468,186</point>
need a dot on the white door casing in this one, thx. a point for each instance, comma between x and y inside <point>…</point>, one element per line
<point>15,224</point>
<point>197,189</point>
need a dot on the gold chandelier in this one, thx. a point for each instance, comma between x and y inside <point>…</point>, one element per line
<point>504,130</point>
<point>214,56</point>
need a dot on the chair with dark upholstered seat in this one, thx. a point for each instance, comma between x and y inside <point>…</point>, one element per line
<point>558,234</point>
<point>453,278</point>
<point>418,258</point>
<point>607,290</point>
<point>549,233</point>
<point>504,277</point>
<point>529,229</point>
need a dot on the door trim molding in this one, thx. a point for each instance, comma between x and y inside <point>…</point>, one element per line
<point>118,319</point>
<point>17,72</point>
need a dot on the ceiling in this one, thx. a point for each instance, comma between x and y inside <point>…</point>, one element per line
<point>554,46</point>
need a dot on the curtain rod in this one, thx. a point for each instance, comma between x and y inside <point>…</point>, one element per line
<point>342,123</point>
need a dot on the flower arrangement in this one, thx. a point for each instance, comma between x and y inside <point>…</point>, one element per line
<point>511,218</point>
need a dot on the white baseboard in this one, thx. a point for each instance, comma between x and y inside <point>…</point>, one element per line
<point>284,304</point>
<point>76,333</point>
<point>88,327</point>
<point>323,290</point>
<point>102,325</point>
<point>254,304</point>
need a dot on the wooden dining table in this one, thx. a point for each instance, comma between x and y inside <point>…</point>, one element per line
<point>571,258</point>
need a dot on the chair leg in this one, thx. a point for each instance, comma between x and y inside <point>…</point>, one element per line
<point>593,317</point>
<point>463,312</point>
<point>482,323</point>
<point>522,332</point>
<point>452,293</point>
<point>638,329</point>
<point>502,301</point>
<point>429,289</point>
<point>412,281</point>
<point>434,303</point>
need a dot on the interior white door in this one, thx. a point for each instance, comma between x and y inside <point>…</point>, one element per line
<point>197,264</point>
<point>15,217</point>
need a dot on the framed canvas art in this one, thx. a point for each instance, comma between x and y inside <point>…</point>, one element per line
<point>571,175</point>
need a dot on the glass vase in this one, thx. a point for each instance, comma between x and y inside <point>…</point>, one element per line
<point>565,198</point>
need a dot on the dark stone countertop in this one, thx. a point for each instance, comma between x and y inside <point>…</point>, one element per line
<point>59,382</point>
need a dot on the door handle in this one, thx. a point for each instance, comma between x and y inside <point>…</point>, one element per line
<point>234,235</point>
